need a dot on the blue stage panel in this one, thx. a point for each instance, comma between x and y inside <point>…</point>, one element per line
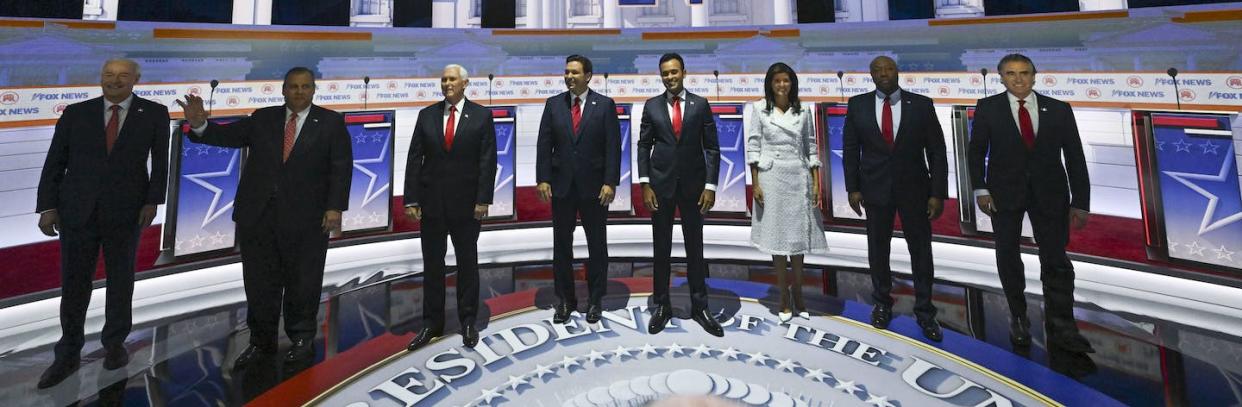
<point>200,216</point>
<point>731,184</point>
<point>370,191</point>
<point>621,202</point>
<point>505,118</point>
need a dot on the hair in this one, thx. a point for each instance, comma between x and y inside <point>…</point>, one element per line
<point>461,70</point>
<point>671,56</point>
<point>298,70</point>
<point>586,62</point>
<point>770,97</point>
<point>1014,58</point>
<point>132,64</point>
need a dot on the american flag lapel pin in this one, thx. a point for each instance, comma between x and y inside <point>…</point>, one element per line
<point>1043,109</point>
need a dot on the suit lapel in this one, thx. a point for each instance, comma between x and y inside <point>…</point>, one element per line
<point>1043,116</point>
<point>906,108</point>
<point>98,128</point>
<point>1014,130</point>
<point>437,131</point>
<point>586,109</point>
<point>310,130</point>
<point>689,107</point>
<point>134,115</point>
<point>664,118</point>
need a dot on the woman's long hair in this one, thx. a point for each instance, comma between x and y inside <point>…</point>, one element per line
<point>770,97</point>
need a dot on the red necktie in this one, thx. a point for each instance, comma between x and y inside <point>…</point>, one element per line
<point>291,131</point>
<point>577,114</point>
<point>450,128</point>
<point>114,127</point>
<point>676,113</point>
<point>887,123</point>
<point>1024,124</point>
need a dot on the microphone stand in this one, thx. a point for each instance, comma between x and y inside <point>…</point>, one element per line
<point>1177,94</point>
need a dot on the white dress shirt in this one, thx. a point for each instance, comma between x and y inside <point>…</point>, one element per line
<point>461,104</point>
<point>120,114</point>
<point>894,102</point>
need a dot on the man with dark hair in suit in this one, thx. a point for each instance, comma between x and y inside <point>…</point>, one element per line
<point>449,180</point>
<point>95,191</point>
<point>1016,146</point>
<point>293,188</point>
<point>678,165</point>
<point>577,167</point>
<point>895,164</point>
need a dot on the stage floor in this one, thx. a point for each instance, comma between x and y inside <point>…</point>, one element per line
<point>833,358</point>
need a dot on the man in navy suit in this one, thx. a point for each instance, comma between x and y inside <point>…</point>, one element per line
<point>293,188</point>
<point>895,164</point>
<point>1016,147</point>
<point>578,165</point>
<point>449,180</point>
<point>95,191</point>
<point>678,165</point>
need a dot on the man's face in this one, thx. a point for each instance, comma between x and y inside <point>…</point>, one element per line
<point>117,80</point>
<point>576,79</point>
<point>299,91</point>
<point>672,73</point>
<point>1018,77</point>
<point>453,85</point>
<point>884,74</point>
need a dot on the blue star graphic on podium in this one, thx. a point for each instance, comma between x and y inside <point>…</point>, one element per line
<point>502,199</point>
<point>1199,188</point>
<point>731,185</point>
<point>371,179</point>
<point>208,186</point>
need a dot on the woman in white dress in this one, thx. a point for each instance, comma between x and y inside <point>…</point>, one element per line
<point>784,168</point>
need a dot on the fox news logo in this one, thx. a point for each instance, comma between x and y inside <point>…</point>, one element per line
<point>1135,81</point>
<point>9,98</point>
<point>1050,80</point>
<point>1093,93</point>
<point>1234,82</point>
<point>268,89</point>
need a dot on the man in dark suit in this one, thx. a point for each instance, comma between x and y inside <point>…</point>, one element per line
<point>578,166</point>
<point>895,164</point>
<point>95,191</point>
<point>1016,145</point>
<point>293,188</point>
<point>678,165</point>
<point>449,180</point>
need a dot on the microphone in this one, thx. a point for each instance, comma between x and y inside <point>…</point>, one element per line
<point>490,78</point>
<point>211,99</point>
<point>841,84</point>
<point>716,74</point>
<point>1176,93</point>
<point>366,89</point>
<point>606,83</point>
<point>984,72</point>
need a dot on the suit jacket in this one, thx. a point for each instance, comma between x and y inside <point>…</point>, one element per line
<point>914,169</point>
<point>80,176</point>
<point>314,180</point>
<point>449,183</point>
<point>588,159</point>
<point>1011,167</point>
<point>764,128</point>
<point>663,159</point>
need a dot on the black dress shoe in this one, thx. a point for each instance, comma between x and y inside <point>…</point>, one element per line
<point>1020,331</point>
<point>301,349</point>
<point>660,316</point>
<point>708,323</point>
<point>1071,342</point>
<point>881,316</point>
<point>423,337</point>
<point>469,336</point>
<point>563,312</point>
<point>931,329</point>
<point>594,313</point>
<point>250,355</point>
<point>58,372</point>
<point>115,357</point>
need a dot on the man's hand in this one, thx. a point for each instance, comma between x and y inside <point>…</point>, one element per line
<point>413,213</point>
<point>331,221</point>
<point>606,194</point>
<point>706,200</point>
<point>986,205</point>
<point>935,207</point>
<point>856,202</point>
<point>1078,218</point>
<point>480,211</point>
<point>649,198</point>
<point>49,222</point>
<point>146,216</point>
<point>758,192</point>
<point>545,192</point>
<point>194,112</point>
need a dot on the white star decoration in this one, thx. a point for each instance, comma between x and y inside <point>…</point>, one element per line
<point>1206,225</point>
<point>1182,145</point>
<point>1195,249</point>
<point>372,191</point>
<point>1223,253</point>
<point>515,383</point>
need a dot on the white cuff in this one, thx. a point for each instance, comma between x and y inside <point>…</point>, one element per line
<point>644,180</point>
<point>710,187</point>
<point>982,192</point>
<point>200,129</point>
